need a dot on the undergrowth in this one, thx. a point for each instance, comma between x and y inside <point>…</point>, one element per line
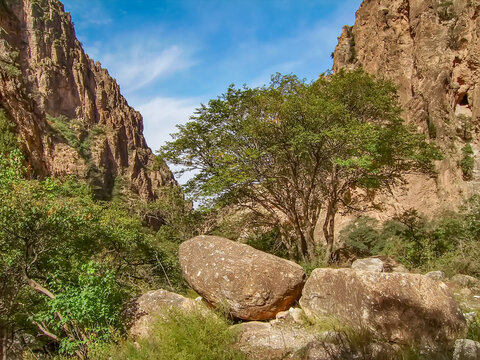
<point>179,336</point>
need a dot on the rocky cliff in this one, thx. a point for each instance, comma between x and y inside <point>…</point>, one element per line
<point>69,113</point>
<point>431,50</point>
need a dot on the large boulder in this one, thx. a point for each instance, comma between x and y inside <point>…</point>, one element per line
<point>143,310</point>
<point>274,340</point>
<point>251,284</point>
<point>401,308</point>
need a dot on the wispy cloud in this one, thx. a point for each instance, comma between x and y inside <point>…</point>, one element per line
<point>162,114</point>
<point>142,64</point>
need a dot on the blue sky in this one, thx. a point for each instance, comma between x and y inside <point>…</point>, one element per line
<point>171,55</point>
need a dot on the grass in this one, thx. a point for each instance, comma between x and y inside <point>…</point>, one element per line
<point>179,336</point>
<point>474,329</point>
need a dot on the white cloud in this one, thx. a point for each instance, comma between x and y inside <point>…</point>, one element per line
<point>142,64</point>
<point>162,114</point>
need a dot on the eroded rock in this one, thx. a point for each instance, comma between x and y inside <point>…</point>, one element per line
<point>401,308</point>
<point>466,350</point>
<point>253,285</point>
<point>142,311</point>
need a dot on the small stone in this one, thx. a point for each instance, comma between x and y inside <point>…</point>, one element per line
<point>466,350</point>
<point>368,264</point>
<point>436,275</point>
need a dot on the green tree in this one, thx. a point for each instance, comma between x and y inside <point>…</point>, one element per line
<point>67,262</point>
<point>294,151</point>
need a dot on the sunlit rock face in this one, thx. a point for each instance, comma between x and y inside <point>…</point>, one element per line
<point>431,50</point>
<point>407,309</point>
<point>248,283</point>
<point>70,115</point>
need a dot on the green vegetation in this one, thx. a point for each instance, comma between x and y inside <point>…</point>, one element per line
<point>182,336</point>
<point>467,163</point>
<point>69,262</point>
<point>291,150</point>
<point>474,328</point>
<point>9,65</point>
<point>76,133</point>
<point>445,10</point>
<point>448,243</point>
<point>8,138</point>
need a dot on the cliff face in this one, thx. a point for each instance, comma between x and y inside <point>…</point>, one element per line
<point>70,115</point>
<point>431,50</point>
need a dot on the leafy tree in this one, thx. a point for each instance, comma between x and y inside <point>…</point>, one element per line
<point>294,151</point>
<point>67,262</point>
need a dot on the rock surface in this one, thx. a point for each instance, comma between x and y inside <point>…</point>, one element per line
<point>431,50</point>
<point>143,310</point>
<point>69,113</point>
<point>436,275</point>
<point>401,308</point>
<point>368,264</point>
<point>466,350</point>
<point>253,285</point>
<point>466,281</point>
<point>260,340</point>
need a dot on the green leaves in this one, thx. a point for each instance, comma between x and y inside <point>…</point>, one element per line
<point>293,148</point>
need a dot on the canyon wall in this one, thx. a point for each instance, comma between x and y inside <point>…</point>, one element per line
<point>431,50</point>
<point>69,113</point>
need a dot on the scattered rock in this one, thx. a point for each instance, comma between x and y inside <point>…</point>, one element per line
<point>408,309</point>
<point>253,285</point>
<point>293,315</point>
<point>368,264</point>
<point>272,341</point>
<point>466,350</point>
<point>144,309</point>
<point>436,275</point>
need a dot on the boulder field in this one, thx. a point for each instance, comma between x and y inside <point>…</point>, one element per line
<point>393,309</point>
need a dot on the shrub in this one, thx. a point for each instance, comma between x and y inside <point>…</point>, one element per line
<point>468,162</point>
<point>445,10</point>
<point>180,336</point>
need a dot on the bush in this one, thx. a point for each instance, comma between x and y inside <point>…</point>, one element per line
<point>180,336</point>
<point>468,162</point>
<point>362,237</point>
<point>449,243</point>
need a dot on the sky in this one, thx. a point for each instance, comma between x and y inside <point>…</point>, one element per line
<point>169,56</point>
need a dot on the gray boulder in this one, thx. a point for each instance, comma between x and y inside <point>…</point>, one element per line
<point>466,350</point>
<point>142,311</point>
<point>368,264</point>
<point>436,275</point>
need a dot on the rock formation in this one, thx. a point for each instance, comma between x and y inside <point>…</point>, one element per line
<point>69,113</point>
<point>431,50</point>
<point>407,309</point>
<point>142,311</point>
<point>253,285</point>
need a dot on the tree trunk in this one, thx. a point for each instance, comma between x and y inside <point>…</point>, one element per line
<point>328,232</point>
<point>3,341</point>
<point>310,241</point>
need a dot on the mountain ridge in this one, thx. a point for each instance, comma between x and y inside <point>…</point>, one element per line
<point>69,113</point>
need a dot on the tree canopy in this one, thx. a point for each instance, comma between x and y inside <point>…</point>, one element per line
<point>293,151</point>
